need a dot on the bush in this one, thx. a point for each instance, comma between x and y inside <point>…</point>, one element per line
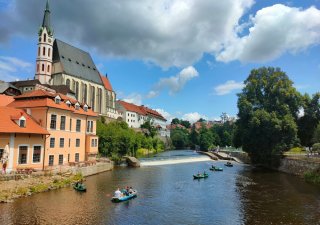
<point>296,150</point>
<point>316,147</point>
<point>312,177</point>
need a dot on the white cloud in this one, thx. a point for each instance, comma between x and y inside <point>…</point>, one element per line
<point>166,115</point>
<point>134,98</point>
<point>275,30</point>
<point>193,117</point>
<point>165,32</point>
<point>10,68</point>
<point>228,87</point>
<point>174,83</point>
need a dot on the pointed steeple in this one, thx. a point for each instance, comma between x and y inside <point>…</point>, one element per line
<point>46,19</point>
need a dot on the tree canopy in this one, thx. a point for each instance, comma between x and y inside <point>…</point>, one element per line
<point>268,108</point>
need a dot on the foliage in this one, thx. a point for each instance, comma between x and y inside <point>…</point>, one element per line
<point>184,123</point>
<point>313,176</point>
<point>268,108</point>
<point>148,125</point>
<point>316,135</point>
<point>179,138</point>
<point>316,147</point>
<point>116,139</point>
<point>308,122</point>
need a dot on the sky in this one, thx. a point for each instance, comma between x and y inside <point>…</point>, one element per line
<point>184,58</point>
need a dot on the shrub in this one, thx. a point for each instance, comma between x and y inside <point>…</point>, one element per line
<point>316,147</point>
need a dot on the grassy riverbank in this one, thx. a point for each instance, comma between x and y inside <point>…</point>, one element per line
<point>10,190</point>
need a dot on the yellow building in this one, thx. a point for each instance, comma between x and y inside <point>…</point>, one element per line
<point>71,125</point>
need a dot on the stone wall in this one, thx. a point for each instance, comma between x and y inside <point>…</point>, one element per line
<point>242,156</point>
<point>297,166</point>
<point>92,170</point>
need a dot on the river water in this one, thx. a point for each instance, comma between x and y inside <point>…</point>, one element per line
<point>169,195</point>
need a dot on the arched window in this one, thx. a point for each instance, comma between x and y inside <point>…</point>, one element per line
<point>93,97</point>
<point>49,51</point>
<point>77,90</point>
<point>68,83</point>
<point>38,68</point>
<point>44,51</point>
<point>100,99</point>
<point>44,37</point>
<point>42,67</point>
<point>39,51</point>
<point>48,69</point>
<point>85,93</point>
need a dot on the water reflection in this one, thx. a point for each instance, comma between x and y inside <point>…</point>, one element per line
<point>168,195</point>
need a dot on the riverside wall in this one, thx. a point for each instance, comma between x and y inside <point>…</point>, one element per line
<point>298,166</point>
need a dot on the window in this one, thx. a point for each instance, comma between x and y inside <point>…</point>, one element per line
<point>36,154</point>
<point>53,122</point>
<point>77,106</point>
<point>1,153</point>
<point>92,142</point>
<point>44,51</point>
<point>51,160</point>
<point>63,123</point>
<point>78,126</point>
<point>49,51</point>
<point>68,157</point>
<point>88,126</point>
<point>95,142</point>
<point>39,51</point>
<point>76,157</point>
<point>23,154</point>
<point>68,103</point>
<point>77,142</point>
<point>22,123</point>
<point>69,142</point>
<point>42,67</point>
<point>52,141</point>
<point>91,127</point>
<point>77,91</point>
<point>68,83</point>
<point>61,142</point>
<point>48,68</point>
<point>85,108</point>
<point>70,124</point>
<point>44,38</point>
<point>60,159</point>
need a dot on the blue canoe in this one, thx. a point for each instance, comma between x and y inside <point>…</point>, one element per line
<point>125,198</point>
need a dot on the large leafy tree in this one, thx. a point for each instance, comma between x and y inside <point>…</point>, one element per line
<point>179,138</point>
<point>268,108</point>
<point>309,121</point>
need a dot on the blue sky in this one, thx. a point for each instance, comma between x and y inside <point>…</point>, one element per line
<point>185,58</point>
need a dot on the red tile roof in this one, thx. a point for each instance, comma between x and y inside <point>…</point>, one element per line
<point>131,107</point>
<point>42,98</point>
<point>142,110</point>
<point>5,100</point>
<point>106,83</point>
<point>8,123</point>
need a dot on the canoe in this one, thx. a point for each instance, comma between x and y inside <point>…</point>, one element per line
<point>80,187</point>
<point>229,164</point>
<point>214,168</point>
<point>125,198</point>
<point>200,176</point>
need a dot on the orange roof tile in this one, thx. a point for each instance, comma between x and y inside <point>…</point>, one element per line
<point>106,83</point>
<point>9,125</point>
<point>42,98</point>
<point>5,100</point>
<point>132,107</point>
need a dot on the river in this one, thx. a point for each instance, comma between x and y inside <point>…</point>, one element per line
<point>169,195</point>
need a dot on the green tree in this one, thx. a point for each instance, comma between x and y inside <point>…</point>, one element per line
<point>268,108</point>
<point>309,121</point>
<point>149,126</point>
<point>205,139</point>
<point>175,121</point>
<point>316,135</point>
<point>185,123</point>
<point>179,138</point>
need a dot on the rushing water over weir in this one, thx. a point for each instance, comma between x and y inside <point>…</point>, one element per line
<point>168,195</point>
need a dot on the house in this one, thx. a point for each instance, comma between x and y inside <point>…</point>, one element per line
<point>71,125</point>
<point>8,89</point>
<point>22,139</point>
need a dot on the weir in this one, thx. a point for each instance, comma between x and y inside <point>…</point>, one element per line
<point>174,160</point>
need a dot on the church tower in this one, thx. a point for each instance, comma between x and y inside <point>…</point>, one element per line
<point>44,54</point>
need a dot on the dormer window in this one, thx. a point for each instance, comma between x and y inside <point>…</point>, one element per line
<point>22,122</point>
<point>57,99</point>
<point>77,106</point>
<point>68,103</point>
<point>85,108</point>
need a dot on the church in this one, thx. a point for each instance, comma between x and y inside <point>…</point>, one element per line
<point>59,63</point>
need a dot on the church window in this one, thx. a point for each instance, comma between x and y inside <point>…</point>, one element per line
<point>44,51</point>
<point>93,97</point>
<point>82,64</point>
<point>39,51</point>
<point>100,99</point>
<point>69,59</point>
<point>77,62</point>
<point>49,51</point>
<point>48,69</point>
<point>42,67</point>
<point>45,37</point>
<point>77,90</point>
<point>62,57</point>
<point>89,67</point>
<point>68,83</point>
<point>38,68</point>
<point>85,93</point>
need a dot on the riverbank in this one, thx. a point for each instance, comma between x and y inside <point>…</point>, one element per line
<point>17,186</point>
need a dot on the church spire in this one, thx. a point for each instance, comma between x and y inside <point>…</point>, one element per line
<point>46,19</point>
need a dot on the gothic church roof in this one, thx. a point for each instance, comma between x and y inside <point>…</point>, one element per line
<point>75,62</point>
